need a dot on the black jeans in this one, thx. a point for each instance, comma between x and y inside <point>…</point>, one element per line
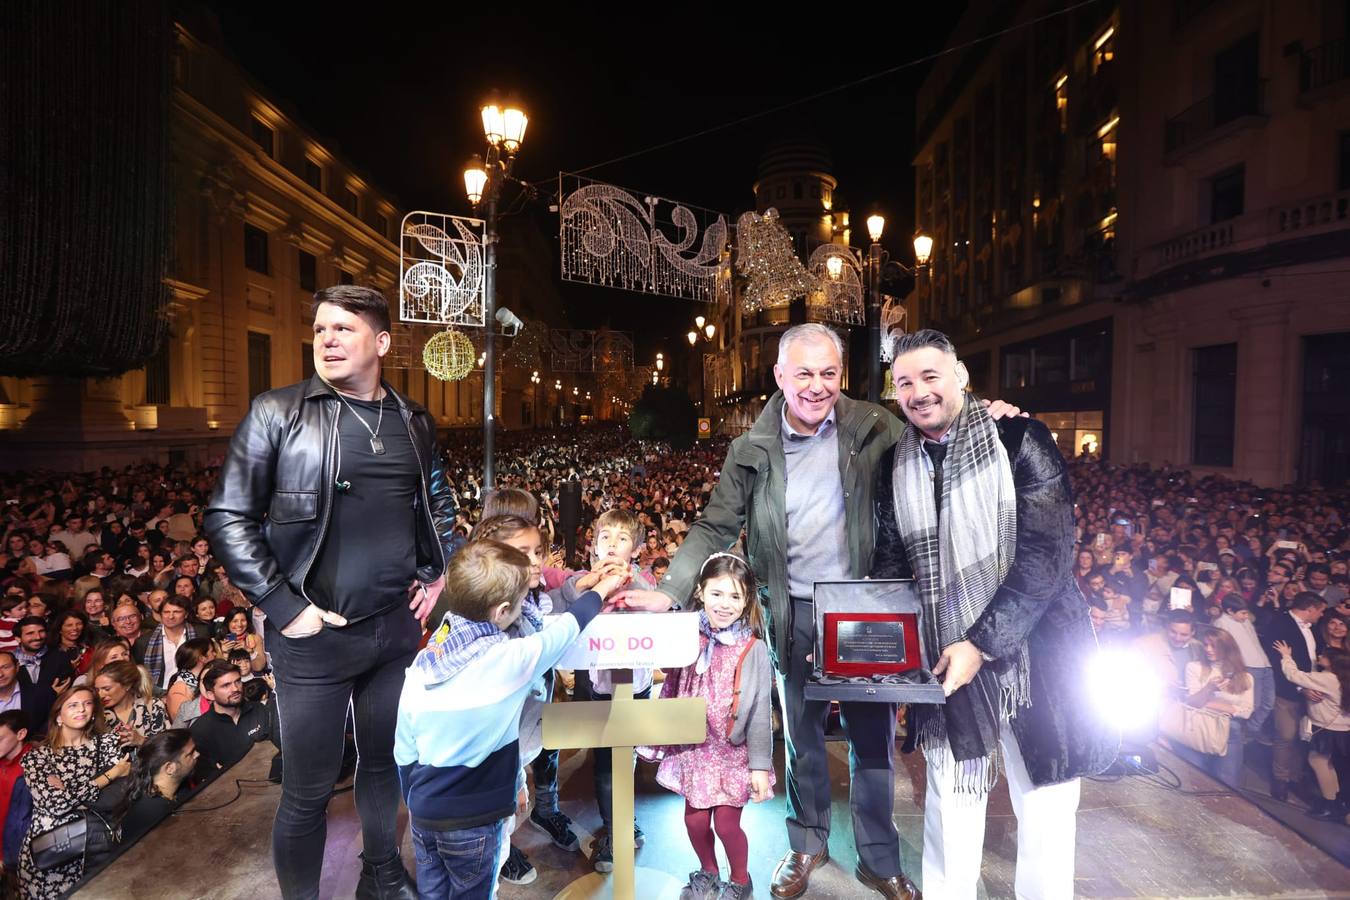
<point>602,758</point>
<point>319,679</point>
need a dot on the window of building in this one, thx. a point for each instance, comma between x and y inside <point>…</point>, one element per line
<point>1343,162</point>
<point>1215,404</point>
<point>782,192</point>
<point>157,376</point>
<point>309,271</point>
<point>796,190</point>
<point>1237,79</point>
<point>1062,101</point>
<point>263,136</point>
<point>306,360</point>
<point>255,249</point>
<point>1226,195</point>
<point>259,363</point>
<point>313,174</point>
<point>350,202</point>
<point>1017,369</point>
<point>1104,49</point>
<point>344,277</point>
<point>382,225</point>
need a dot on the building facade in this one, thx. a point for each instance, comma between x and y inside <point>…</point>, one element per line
<point>1147,251</point>
<point>795,178</point>
<point>265,214</point>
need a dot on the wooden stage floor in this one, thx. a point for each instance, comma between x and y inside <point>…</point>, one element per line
<point>1135,839</point>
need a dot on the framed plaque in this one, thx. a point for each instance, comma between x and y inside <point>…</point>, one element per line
<point>875,643</point>
<point>869,644</point>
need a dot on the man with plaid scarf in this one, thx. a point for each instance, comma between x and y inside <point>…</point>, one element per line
<point>979,513</point>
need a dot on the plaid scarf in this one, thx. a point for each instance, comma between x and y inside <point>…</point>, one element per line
<point>455,644</point>
<point>734,632</point>
<point>959,559</point>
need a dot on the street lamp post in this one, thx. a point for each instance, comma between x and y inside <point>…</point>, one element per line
<point>877,261</point>
<point>504,129</point>
<point>534,397</point>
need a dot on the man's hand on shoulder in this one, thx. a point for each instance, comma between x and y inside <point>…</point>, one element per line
<point>1002,409</point>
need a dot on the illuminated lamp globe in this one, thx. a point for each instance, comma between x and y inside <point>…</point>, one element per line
<point>876,224</point>
<point>923,249</point>
<point>475,180</point>
<point>449,355</point>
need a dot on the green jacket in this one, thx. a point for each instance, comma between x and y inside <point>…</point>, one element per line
<point>751,494</point>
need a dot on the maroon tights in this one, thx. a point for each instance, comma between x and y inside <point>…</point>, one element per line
<point>727,820</point>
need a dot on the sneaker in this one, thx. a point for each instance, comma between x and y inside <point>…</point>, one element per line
<point>733,891</point>
<point>702,886</point>
<point>638,837</point>
<point>517,868</point>
<point>602,852</point>
<point>558,827</point>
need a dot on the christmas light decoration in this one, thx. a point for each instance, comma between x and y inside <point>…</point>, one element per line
<point>765,258</point>
<point>449,355</point>
<point>613,238</point>
<point>590,351</point>
<point>441,269</point>
<point>839,297</point>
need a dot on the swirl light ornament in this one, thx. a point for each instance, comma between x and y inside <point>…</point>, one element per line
<point>441,269</point>
<point>614,238</point>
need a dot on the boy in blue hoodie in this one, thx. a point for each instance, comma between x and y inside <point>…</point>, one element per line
<point>457,739</point>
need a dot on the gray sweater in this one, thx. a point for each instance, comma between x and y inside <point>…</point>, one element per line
<point>754,723</point>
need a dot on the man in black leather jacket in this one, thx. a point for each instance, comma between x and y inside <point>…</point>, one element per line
<point>329,519</point>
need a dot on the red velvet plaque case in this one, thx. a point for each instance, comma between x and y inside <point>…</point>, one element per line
<point>871,644</point>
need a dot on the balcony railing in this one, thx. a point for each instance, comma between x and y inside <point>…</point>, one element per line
<point>1213,112</point>
<point>1251,231</point>
<point>1323,65</point>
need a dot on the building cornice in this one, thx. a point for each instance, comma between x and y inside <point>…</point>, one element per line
<point>212,129</point>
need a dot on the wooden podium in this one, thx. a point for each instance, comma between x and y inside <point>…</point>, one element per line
<point>622,642</point>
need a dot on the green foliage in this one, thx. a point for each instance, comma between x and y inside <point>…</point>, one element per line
<point>664,414</point>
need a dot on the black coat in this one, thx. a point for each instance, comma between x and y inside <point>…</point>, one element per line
<point>1062,734</point>
<point>1282,627</point>
<point>36,702</point>
<point>55,664</point>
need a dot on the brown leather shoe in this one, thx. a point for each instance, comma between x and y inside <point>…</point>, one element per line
<point>897,887</point>
<point>794,871</point>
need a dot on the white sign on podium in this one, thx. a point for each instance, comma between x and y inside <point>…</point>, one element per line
<point>635,641</point>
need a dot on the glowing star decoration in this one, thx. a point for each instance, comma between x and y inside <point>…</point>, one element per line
<point>765,258</point>
<point>613,238</point>
<point>840,297</point>
<point>449,355</point>
<point>441,269</point>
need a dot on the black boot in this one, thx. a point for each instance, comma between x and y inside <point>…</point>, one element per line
<point>385,881</point>
<point>1323,809</point>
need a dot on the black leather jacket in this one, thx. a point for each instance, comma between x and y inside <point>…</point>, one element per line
<point>269,514</point>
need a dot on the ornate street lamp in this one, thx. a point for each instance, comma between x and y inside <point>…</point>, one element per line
<point>504,130</point>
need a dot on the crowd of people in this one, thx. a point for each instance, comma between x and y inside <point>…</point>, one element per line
<point>1240,595</point>
<point>132,671</point>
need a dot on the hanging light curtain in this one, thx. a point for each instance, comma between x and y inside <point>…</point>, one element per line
<point>85,214</point>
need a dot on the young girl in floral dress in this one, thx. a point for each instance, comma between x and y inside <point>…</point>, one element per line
<point>735,764</point>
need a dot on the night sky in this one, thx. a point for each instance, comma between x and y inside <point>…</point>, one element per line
<point>395,89</point>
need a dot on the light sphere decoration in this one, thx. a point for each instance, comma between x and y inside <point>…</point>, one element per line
<point>449,355</point>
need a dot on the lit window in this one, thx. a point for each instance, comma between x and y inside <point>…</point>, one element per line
<point>1062,101</point>
<point>1104,49</point>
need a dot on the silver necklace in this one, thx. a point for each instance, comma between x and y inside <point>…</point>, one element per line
<point>376,445</point>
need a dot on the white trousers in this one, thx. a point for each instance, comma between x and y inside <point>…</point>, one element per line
<point>953,831</point>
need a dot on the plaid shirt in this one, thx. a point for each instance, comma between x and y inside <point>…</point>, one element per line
<point>154,652</point>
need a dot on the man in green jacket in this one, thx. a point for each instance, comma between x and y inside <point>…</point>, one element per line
<point>800,483</point>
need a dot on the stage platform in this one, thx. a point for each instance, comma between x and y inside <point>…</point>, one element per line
<point>1135,839</point>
